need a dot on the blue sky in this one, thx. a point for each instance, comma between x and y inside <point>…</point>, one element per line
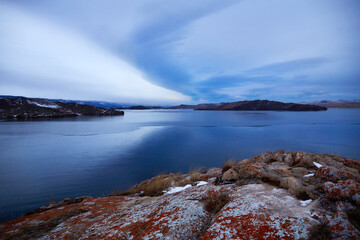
<point>170,52</point>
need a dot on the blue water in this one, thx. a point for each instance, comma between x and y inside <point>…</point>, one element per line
<point>52,159</point>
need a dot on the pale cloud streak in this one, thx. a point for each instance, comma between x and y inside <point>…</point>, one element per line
<point>257,33</point>
<point>42,55</point>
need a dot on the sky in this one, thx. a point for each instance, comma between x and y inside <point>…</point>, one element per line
<point>171,52</point>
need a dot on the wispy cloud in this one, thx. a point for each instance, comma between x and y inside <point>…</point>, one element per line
<point>275,43</point>
<point>288,69</point>
<point>38,54</point>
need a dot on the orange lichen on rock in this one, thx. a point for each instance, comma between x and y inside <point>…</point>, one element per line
<point>334,175</point>
<point>347,190</point>
<point>340,226</point>
<point>270,196</point>
<point>254,214</point>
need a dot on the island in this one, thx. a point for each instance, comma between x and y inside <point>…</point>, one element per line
<point>274,195</point>
<point>27,108</point>
<point>263,105</point>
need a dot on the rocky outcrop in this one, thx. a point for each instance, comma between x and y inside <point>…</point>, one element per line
<point>230,175</point>
<point>264,105</point>
<point>280,195</point>
<point>25,108</point>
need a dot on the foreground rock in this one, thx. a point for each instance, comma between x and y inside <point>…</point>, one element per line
<point>263,105</point>
<point>271,196</point>
<point>24,108</point>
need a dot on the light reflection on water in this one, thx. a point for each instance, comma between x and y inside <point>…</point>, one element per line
<point>52,159</point>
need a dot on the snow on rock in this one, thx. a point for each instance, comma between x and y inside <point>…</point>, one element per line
<point>309,175</point>
<point>43,105</point>
<point>201,183</point>
<point>305,202</point>
<point>318,165</point>
<point>173,190</point>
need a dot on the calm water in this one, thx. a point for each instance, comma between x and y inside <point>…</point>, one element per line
<point>50,160</point>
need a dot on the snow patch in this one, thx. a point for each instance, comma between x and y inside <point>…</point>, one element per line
<point>43,105</point>
<point>309,175</point>
<point>173,190</point>
<point>201,183</point>
<point>305,203</point>
<point>318,165</point>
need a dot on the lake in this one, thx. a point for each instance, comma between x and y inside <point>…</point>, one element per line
<point>46,160</point>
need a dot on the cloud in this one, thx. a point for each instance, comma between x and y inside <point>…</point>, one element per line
<point>178,51</point>
<point>288,69</point>
<point>39,55</point>
<point>296,91</point>
<point>243,92</point>
<point>274,42</point>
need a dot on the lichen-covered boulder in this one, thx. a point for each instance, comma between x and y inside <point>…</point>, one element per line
<point>278,156</point>
<point>230,175</point>
<point>167,217</point>
<point>341,227</point>
<point>290,160</point>
<point>327,173</point>
<point>305,160</point>
<point>261,212</point>
<point>284,171</point>
<point>299,171</point>
<point>213,172</point>
<point>266,157</point>
<point>352,163</point>
<point>294,186</point>
<point>348,189</point>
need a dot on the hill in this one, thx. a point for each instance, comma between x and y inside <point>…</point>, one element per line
<point>264,105</point>
<point>24,108</point>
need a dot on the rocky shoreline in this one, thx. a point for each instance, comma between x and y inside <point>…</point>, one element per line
<point>279,195</point>
<point>31,108</point>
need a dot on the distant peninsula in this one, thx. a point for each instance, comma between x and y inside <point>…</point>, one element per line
<point>255,105</point>
<point>263,105</point>
<point>27,108</point>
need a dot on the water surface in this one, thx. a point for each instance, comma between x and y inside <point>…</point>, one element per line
<point>48,160</point>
